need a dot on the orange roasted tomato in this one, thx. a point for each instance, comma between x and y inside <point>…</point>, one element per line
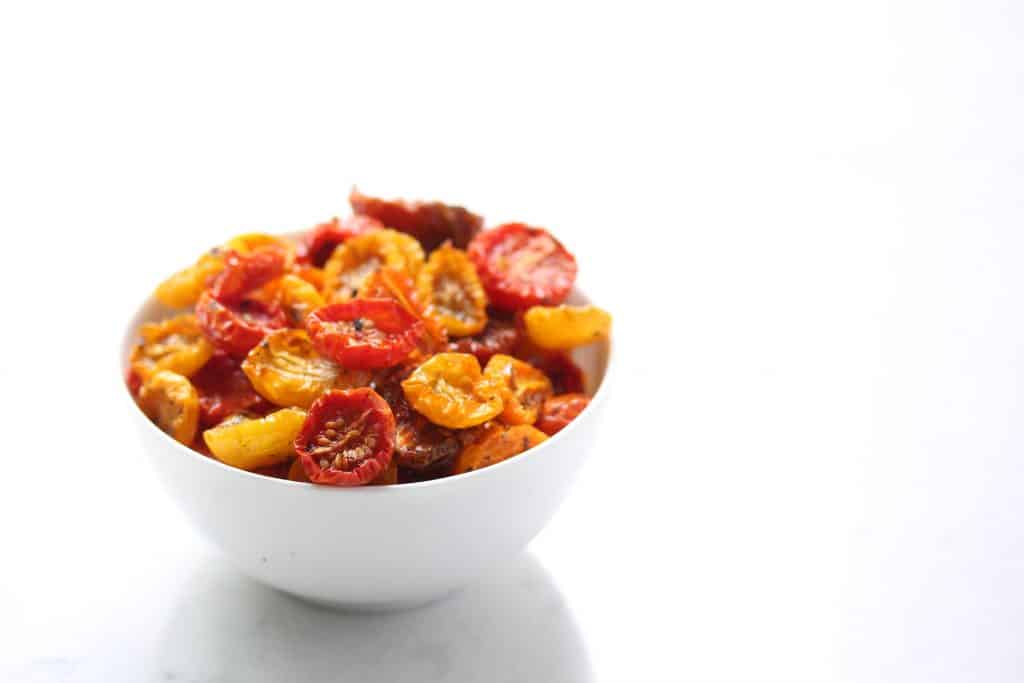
<point>522,266</point>
<point>286,370</point>
<point>498,445</point>
<point>450,390</point>
<point>171,402</point>
<point>364,333</point>
<point>322,240</point>
<point>252,242</point>
<point>559,411</point>
<point>236,328</point>
<point>566,327</point>
<point>347,438</point>
<point>176,344</point>
<point>182,289</point>
<point>356,259</point>
<point>449,287</point>
<point>524,388</point>
<point>430,222</point>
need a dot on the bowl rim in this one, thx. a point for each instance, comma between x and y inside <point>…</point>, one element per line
<point>599,396</point>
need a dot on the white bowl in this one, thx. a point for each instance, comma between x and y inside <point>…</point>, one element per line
<point>379,547</point>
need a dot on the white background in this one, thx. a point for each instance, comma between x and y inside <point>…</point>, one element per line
<point>805,216</point>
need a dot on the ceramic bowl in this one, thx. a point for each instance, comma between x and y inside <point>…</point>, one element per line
<point>379,547</point>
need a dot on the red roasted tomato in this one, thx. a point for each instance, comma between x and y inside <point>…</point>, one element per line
<point>501,335</point>
<point>559,411</point>
<point>236,328</point>
<point>521,266</point>
<point>347,438</point>
<point>364,333</point>
<point>245,272</point>
<point>224,390</point>
<point>429,222</point>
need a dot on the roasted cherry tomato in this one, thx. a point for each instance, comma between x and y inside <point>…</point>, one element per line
<point>419,443</point>
<point>170,400</point>
<point>449,287</point>
<point>245,272</point>
<point>430,222</point>
<point>501,335</point>
<point>182,289</point>
<point>558,411</point>
<point>364,333</point>
<point>524,388</point>
<point>521,266</point>
<point>311,274</point>
<point>387,283</point>
<point>253,443</point>
<point>224,390</point>
<point>176,344</point>
<point>450,390</point>
<point>285,369</point>
<point>355,260</point>
<point>236,328</point>
<point>498,445</point>
<point>347,438</point>
<point>566,327</point>
<point>322,240</point>
<point>297,297</point>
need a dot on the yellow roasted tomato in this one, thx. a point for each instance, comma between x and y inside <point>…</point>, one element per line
<point>176,344</point>
<point>298,298</point>
<point>450,289</point>
<point>353,261</point>
<point>286,370</point>
<point>566,327</point>
<point>524,388</point>
<point>250,443</point>
<point>498,445</point>
<point>172,403</point>
<point>182,289</point>
<point>450,390</point>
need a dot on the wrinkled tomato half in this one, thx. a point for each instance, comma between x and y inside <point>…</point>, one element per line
<point>566,327</point>
<point>498,445</point>
<point>429,222</point>
<point>524,388</point>
<point>352,263</point>
<point>559,411</point>
<point>347,438</point>
<point>245,272</point>
<point>522,266</point>
<point>175,344</point>
<point>501,335</point>
<point>285,369</point>
<point>450,390</point>
<point>321,241</point>
<point>364,333</point>
<point>236,328</point>
<point>388,283</point>
<point>224,390</point>
<point>451,291</point>
<point>171,402</point>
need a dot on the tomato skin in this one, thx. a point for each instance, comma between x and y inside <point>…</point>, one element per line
<point>429,222</point>
<point>355,413</point>
<point>321,241</point>
<point>245,272</point>
<point>522,266</point>
<point>224,390</point>
<point>236,328</point>
<point>501,335</point>
<point>558,411</point>
<point>364,333</point>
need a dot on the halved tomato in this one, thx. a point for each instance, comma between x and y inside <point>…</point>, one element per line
<point>356,259</point>
<point>430,222</point>
<point>558,411</point>
<point>236,328</point>
<point>451,291</point>
<point>498,445</point>
<point>175,344</point>
<point>364,333</point>
<point>285,369</point>
<point>450,390</point>
<point>524,388</point>
<point>522,266</point>
<point>170,401</point>
<point>347,438</point>
<point>224,390</point>
<point>321,241</point>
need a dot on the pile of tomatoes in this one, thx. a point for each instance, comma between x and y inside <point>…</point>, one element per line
<point>402,343</point>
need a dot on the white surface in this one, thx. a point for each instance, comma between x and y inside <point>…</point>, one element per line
<point>805,216</point>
